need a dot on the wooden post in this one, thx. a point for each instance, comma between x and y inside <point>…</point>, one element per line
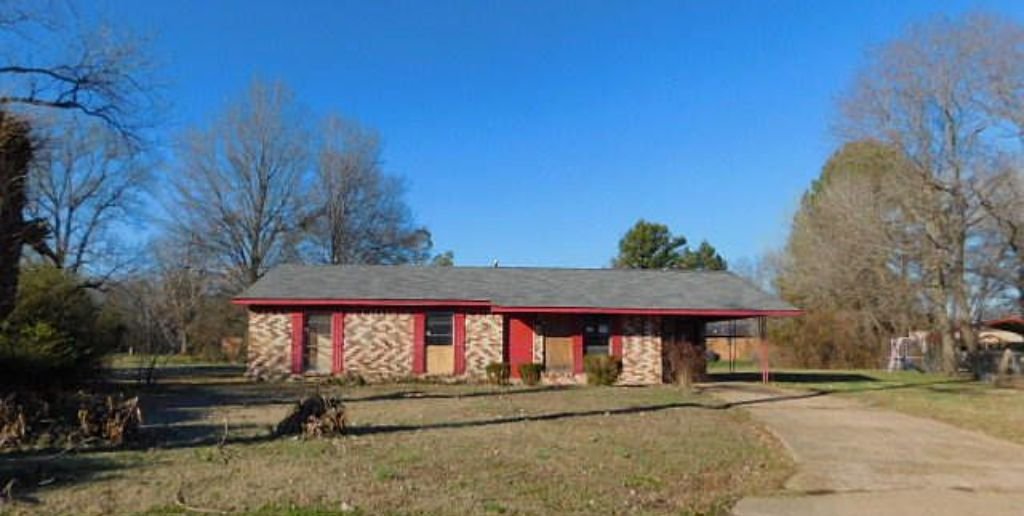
<point>762,329</point>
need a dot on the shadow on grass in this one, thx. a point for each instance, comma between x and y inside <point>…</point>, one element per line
<point>27,474</point>
<point>178,404</point>
<point>204,435</point>
<point>793,377</point>
<point>553,416</point>
<point>186,394</point>
<point>862,383</point>
<point>181,374</point>
<point>420,394</point>
<point>569,415</point>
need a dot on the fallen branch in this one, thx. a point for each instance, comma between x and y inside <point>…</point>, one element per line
<point>7,495</point>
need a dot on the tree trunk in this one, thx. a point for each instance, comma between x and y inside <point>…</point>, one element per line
<point>963,323</point>
<point>15,155</point>
<point>1020,287</point>
<point>950,364</point>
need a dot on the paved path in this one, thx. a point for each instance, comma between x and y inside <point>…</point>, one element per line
<point>855,459</point>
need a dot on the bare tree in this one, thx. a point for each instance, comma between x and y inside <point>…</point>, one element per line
<point>1003,195</point>
<point>84,182</point>
<point>761,270</point>
<point>238,192</point>
<point>360,215</point>
<point>54,62</point>
<point>48,63</point>
<point>182,284</point>
<point>178,302</point>
<point>930,95</point>
<point>1003,200</point>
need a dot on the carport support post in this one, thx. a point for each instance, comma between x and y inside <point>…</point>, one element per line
<point>732,346</point>
<point>762,329</point>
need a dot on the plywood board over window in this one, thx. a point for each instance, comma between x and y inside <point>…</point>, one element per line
<point>440,340</point>
<point>559,333</point>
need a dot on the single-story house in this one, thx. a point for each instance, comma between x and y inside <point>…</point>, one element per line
<point>381,321</point>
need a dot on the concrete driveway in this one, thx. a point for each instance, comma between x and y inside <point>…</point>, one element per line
<point>855,459</point>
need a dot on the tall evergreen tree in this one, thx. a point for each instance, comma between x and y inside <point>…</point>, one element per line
<point>649,245</point>
<point>705,258</point>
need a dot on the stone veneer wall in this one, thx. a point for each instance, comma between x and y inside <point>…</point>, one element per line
<point>379,344</point>
<point>270,345</point>
<point>484,342</point>
<point>538,342</point>
<point>641,351</point>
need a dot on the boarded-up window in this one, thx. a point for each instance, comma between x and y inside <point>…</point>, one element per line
<point>440,340</point>
<point>559,332</point>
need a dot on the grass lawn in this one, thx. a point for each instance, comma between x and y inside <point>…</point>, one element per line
<point>973,405</point>
<point>137,360</point>
<point>722,365</point>
<point>419,449</point>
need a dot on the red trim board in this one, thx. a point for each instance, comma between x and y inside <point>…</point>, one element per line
<point>457,303</point>
<point>298,335</point>
<point>419,343</point>
<point>362,302</point>
<point>459,324</point>
<point>338,341</point>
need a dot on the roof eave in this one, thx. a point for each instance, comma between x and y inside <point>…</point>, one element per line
<point>498,309</point>
<point>707,312</point>
<point>265,301</point>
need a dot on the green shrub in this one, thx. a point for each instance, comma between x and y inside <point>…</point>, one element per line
<point>498,373</point>
<point>602,369</point>
<point>31,353</point>
<point>55,333</point>
<point>530,373</point>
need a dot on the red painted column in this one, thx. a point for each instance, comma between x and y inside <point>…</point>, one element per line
<point>419,343</point>
<point>577,347</point>
<point>617,336</point>
<point>460,343</point>
<point>298,334</point>
<point>520,343</point>
<point>338,341</point>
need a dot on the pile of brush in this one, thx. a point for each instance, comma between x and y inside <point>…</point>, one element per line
<point>114,420</point>
<point>29,418</point>
<point>314,417</point>
<point>14,421</point>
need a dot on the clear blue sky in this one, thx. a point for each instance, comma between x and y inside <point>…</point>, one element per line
<point>537,132</point>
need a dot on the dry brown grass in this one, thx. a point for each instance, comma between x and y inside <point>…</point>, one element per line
<point>422,449</point>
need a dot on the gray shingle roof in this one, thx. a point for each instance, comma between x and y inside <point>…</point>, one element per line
<point>517,287</point>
